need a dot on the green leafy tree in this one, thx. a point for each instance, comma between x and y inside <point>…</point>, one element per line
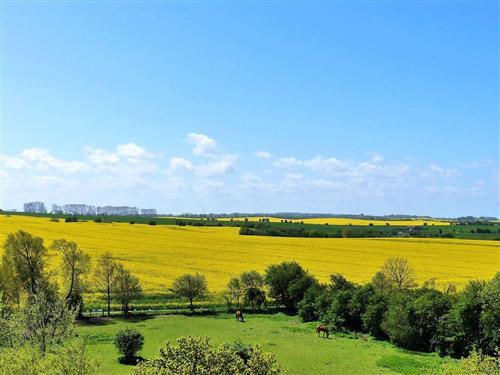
<point>105,276</point>
<point>288,282</point>
<point>253,288</point>
<point>490,316</point>
<point>190,286</point>
<point>26,255</point>
<point>233,293</point>
<point>46,320</point>
<point>75,266</point>
<point>126,287</point>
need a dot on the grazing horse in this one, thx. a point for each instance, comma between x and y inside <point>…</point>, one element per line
<point>323,328</point>
<point>239,316</point>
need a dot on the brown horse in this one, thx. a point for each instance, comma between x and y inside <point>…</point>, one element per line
<point>323,328</point>
<point>239,316</point>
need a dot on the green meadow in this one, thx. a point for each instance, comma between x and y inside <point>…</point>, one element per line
<point>295,344</point>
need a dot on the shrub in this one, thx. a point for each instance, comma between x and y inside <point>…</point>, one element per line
<point>195,355</point>
<point>54,219</point>
<point>97,220</point>
<point>128,342</point>
<point>152,222</point>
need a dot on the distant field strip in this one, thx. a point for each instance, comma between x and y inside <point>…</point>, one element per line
<point>157,254</point>
<point>345,221</point>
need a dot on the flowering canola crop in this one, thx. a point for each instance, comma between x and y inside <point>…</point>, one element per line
<point>158,254</point>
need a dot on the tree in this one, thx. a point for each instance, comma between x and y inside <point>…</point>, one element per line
<point>195,355</point>
<point>190,286</point>
<point>253,284</point>
<point>104,275</point>
<point>461,329</point>
<point>234,292</point>
<point>71,357</point>
<point>398,273</point>
<point>129,342</point>
<point>397,323</point>
<point>288,282</point>
<point>490,315</point>
<point>75,265</point>
<point>126,287</point>
<point>46,320</point>
<point>26,255</point>
<point>10,290</point>
<point>374,315</point>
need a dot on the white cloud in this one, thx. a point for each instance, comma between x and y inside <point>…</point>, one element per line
<point>287,162</point>
<point>264,155</point>
<point>215,168</point>
<point>180,163</point>
<point>434,170</point>
<point>14,162</point>
<point>42,160</point>
<point>99,157</point>
<point>131,150</point>
<point>202,144</point>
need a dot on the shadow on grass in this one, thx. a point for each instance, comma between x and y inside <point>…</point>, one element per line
<point>95,321</point>
<point>130,361</point>
<point>134,318</point>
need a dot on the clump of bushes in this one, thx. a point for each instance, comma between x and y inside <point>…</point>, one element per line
<point>197,355</point>
<point>152,222</point>
<point>71,219</point>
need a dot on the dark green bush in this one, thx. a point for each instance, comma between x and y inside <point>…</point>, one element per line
<point>128,342</point>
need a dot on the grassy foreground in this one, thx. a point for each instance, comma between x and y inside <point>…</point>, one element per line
<point>295,344</point>
<point>158,254</point>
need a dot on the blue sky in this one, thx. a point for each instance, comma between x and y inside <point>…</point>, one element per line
<point>373,107</point>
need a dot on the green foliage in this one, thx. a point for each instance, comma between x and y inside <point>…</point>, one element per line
<point>412,319</point>
<point>75,266</point>
<point>474,364</point>
<point>195,355</point>
<point>288,282</point>
<point>26,255</point>
<point>190,287</point>
<point>105,276</point>
<point>252,285</point>
<point>72,357</point>
<point>126,287</point>
<point>129,342</point>
<point>473,321</point>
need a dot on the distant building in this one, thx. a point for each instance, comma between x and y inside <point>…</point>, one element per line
<point>118,210</point>
<point>79,209</point>
<point>35,207</point>
<point>85,209</point>
<point>148,212</point>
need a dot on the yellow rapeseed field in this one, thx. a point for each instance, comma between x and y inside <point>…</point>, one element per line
<point>157,254</point>
<point>344,221</point>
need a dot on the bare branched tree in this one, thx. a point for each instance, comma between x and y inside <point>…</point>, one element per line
<point>398,273</point>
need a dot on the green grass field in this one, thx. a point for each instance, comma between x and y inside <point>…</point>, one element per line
<point>295,344</point>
